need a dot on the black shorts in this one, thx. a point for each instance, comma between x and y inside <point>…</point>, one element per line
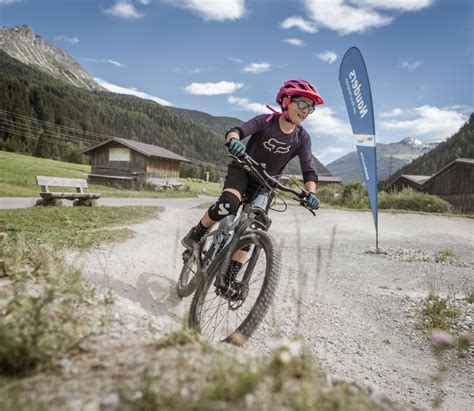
<point>238,179</point>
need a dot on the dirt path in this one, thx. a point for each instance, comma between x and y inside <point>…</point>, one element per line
<point>356,310</point>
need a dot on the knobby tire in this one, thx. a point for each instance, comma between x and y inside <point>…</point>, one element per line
<point>249,324</point>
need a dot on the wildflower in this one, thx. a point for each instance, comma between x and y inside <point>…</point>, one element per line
<point>441,339</point>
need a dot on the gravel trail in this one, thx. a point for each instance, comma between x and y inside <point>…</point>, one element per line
<point>355,310</point>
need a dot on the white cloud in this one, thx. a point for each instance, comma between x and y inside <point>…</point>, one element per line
<point>396,112</point>
<point>124,9</point>
<point>108,61</point>
<point>300,23</point>
<point>401,5</point>
<point>220,10</point>
<point>236,60</point>
<point>349,16</point>
<point>213,89</point>
<point>324,122</point>
<point>196,70</point>
<point>433,123</point>
<point>66,39</point>
<point>5,2</point>
<point>131,91</point>
<point>343,18</point>
<point>411,65</point>
<point>257,68</point>
<point>328,56</point>
<point>243,104</point>
<point>294,42</point>
<point>145,2</point>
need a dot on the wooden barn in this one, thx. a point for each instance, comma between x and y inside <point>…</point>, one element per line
<point>408,180</point>
<point>131,164</point>
<point>454,183</point>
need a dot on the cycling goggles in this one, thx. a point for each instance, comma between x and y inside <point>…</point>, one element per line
<point>303,105</point>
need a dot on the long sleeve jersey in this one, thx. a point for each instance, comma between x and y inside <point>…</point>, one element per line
<point>268,144</point>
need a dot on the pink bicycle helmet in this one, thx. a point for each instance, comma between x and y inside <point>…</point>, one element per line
<point>299,88</point>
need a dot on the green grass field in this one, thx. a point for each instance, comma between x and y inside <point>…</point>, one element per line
<point>18,171</point>
<point>71,227</point>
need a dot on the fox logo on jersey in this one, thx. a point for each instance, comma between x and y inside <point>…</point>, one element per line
<point>275,146</point>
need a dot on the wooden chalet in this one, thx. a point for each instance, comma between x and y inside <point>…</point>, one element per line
<point>408,180</point>
<point>454,183</point>
<point>131,164</point>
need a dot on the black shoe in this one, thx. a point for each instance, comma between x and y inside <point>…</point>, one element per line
<point>193,237</point>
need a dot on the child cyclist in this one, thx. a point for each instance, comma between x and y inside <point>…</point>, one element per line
<point>275,140</point>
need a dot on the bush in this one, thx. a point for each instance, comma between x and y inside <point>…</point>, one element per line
<point>354,195</point>
<point>409,199</point>
<point>350,195</point>
<point>40,320</point>
<point>439,312</point>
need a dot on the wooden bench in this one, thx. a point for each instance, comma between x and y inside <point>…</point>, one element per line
<point>54,198</point>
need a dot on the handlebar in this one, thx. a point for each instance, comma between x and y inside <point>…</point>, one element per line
<point>258,171</point>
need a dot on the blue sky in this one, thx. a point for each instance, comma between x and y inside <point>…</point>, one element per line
<point>229,57</point>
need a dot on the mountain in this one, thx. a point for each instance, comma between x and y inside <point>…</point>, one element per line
<point>460,145</point>
<point>42,114</point>
<point>48,117</point>
<point>390,157</point>
<point>24,45</point>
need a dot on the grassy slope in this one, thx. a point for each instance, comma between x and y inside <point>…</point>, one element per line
<point>18,171</point>
<point>71,227</point>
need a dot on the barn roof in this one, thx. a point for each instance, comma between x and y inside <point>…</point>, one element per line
<point>415,178</point>
<point>425,180</point>
<point>148,150</point>
<point>463,161</point>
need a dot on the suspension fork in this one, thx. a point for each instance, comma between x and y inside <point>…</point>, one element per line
<point>251,265</point>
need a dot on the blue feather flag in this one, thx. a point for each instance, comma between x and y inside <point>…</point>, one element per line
<point>355,86</point>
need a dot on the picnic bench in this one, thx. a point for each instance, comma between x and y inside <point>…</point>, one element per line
<point>54,198</point>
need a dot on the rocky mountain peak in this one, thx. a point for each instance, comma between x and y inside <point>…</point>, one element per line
<point>416,144</point>
<point>31,49</point>
<point>412,141</point>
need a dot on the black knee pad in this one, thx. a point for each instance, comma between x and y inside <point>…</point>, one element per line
<point>227,203</point>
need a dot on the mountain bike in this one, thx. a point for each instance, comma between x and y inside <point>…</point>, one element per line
<point>230,308</point>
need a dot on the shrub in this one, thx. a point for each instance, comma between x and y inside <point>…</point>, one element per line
<point>351,195</point>
<point>409,199</point>
<point>39,321</point>
<point>448,257</point>
<point>437,312</point>
<point>354,195</point>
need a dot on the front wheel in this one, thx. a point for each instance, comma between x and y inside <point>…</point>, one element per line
<point>220,317</point>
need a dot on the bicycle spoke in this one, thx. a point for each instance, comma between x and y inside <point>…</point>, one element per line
<point>220,323</point>
<point>209,309</point>
<point>211,317</point>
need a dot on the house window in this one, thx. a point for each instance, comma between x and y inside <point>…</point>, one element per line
<point>119,154</point>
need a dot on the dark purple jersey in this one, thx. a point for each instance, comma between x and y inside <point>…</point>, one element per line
<point>269,145</point>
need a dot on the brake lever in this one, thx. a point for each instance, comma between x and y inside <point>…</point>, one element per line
<point>304,202</point>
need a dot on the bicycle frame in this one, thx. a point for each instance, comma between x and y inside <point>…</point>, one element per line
<point>228,233</point>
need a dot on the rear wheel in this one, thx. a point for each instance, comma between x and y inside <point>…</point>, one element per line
<point>217,316</point>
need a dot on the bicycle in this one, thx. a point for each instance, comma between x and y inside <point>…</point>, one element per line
<point>244,235</point>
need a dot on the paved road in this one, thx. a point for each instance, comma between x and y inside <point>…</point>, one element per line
<point>24,202</point>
